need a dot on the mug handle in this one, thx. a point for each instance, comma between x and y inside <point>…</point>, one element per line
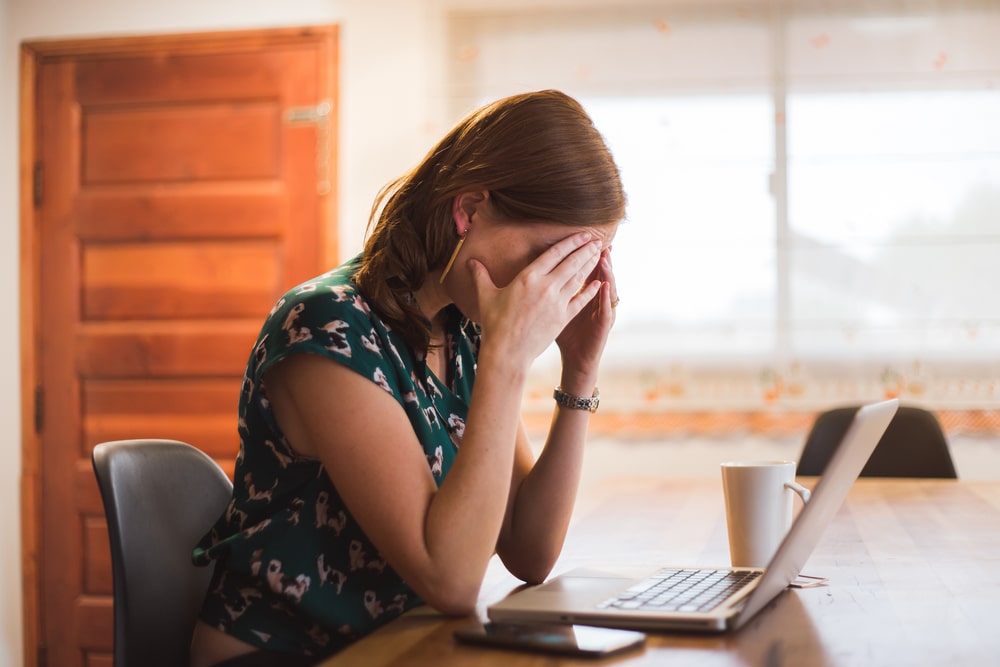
<point>799,489</point>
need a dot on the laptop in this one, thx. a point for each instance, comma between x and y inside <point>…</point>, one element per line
<point>623,597</point>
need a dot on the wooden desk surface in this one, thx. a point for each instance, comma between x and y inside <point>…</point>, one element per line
<point>914,569</point>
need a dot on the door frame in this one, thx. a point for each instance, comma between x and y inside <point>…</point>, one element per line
<point>32,55</point>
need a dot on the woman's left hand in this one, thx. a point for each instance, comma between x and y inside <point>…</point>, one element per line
<point>581,343</point>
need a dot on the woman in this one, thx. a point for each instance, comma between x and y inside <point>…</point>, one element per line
<point>372,476</point>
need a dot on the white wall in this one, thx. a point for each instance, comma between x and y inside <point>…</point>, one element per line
<point>389,99</point>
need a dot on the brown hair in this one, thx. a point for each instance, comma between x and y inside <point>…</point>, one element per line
<point>537,154</point>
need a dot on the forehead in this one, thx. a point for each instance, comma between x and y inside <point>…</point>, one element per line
<point>550,233</point>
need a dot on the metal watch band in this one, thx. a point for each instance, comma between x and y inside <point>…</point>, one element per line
<point>577,402</point>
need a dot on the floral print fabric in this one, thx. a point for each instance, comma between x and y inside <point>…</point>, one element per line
<point>293,570</point>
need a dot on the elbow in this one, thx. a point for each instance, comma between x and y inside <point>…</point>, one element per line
<point>533,575</point>
<point>531,571</point>
<point>452,598</point>
<point>456,606</point>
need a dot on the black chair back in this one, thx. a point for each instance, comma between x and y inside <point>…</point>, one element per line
<point>913,445</point>
<point>160,497</point>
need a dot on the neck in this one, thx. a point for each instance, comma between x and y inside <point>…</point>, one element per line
<point>432,299</point>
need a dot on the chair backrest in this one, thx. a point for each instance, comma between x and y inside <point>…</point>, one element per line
<point>160,497</point>
<point>913,445</point>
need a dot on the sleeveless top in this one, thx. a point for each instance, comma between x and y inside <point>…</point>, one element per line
<point>293,570</point>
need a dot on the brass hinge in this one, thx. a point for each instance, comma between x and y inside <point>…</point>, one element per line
<point>39,408</point>
<point>310,114</point>
<point>37,185</point>
<point>318,115</point>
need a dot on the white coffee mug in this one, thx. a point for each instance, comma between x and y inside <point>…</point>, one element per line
<point>758,508</point>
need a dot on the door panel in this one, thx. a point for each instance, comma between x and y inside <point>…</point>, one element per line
<point>205,141</point>
<point>180,200</point>
<point>125,281</point>
<point>121,409</point>
<point>237,210</point>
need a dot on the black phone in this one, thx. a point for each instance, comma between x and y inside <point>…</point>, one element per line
<point>578,640</point>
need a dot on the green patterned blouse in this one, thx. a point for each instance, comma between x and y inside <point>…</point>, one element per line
<point>293,570</point>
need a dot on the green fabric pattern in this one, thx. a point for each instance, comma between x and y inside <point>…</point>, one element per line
<point>293,570</point>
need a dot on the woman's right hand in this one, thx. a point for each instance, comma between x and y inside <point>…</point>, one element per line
<point>523,318</point>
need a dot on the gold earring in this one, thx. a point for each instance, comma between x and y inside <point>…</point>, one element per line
<point>454,256</point>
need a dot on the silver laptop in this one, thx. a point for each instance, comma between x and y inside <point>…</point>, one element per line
<point>711,600</point>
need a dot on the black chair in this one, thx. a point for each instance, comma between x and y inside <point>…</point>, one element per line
<point>160,497</point>
<point>912,446</point>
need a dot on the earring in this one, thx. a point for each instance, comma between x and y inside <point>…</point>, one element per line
<point>454,256</point>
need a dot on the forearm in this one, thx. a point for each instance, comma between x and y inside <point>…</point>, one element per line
<point>468,515</point>
<point>545,498</point>
<point>465,515</point>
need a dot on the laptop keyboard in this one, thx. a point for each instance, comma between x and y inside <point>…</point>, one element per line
<point>681,590</point>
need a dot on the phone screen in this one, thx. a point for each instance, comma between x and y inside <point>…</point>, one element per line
<point>552,638</point>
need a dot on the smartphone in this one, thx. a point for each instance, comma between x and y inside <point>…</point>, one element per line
<point>578,640</point>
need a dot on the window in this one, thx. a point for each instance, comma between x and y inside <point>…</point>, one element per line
<point>696,259</point>
<point>894,207</point>
<point>814,194</point>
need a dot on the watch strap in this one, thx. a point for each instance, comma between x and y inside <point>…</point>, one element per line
<point>588,403</point>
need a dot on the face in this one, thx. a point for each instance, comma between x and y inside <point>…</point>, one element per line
<point>505,248</point>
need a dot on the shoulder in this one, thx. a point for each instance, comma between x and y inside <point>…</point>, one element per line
<point>326,315</point>
<point>333,293</point>
<point>326,309</point>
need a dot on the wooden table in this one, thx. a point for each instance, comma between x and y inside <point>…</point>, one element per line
<point>914,570</point>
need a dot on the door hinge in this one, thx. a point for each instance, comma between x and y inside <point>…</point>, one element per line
<point>43,656</point>
<point>37,185</point>
<point>39,408</point>
<point>320,116</point>
<point>316,113</point>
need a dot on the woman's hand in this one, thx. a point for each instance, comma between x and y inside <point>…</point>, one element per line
<point>524,317</point>
<point>581,342</point>
<point>543,491</point>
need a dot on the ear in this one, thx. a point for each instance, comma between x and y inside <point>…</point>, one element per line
<point>464,206</point>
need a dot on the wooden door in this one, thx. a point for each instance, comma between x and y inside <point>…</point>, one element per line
<point>183,184</point>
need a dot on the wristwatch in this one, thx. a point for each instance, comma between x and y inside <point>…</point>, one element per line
<point>577,402</point>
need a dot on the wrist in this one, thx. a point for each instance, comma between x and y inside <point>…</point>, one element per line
<point>496,363</point>
<point>566,400</point>
<point>578,383</point>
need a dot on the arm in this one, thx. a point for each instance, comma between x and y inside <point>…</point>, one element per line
<point>542,498</point>
<point>543,494</point>
<point>439,539</point>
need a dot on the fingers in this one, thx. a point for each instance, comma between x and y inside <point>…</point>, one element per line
<point>607,274</point>
<point>571,270</point>
<point>607,295</point>
<point>585,296</point>
<point>559,283</point>
<point>575,270</point>
<point>482,282</point>
<point>480,274</point>
<point>575,248</point>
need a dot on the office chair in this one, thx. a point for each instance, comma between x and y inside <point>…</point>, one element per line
<point>160,497</point>
<point>912,446</point>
